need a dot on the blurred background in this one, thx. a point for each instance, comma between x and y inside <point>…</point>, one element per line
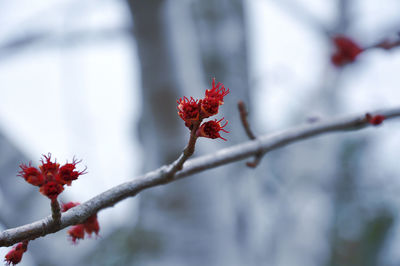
<point>99,80</point>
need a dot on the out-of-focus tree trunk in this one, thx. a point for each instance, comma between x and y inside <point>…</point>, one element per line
<point>160,130</point>
<point>182,45</point>
<point>222,37</point>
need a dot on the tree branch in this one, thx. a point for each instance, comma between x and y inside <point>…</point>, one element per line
<point>49,39</point>
<point>170,173</point>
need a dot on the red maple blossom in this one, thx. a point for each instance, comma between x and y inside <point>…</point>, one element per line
<point>50,177</point>
<point>211,129</point>
<point>193,111</point>
<point>14,256</point>
<point>89,226</point>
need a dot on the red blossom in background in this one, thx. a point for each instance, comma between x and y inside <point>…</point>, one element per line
<point>194,111</point>
<point>346,50</point>
<point>50,177</point>
<point>374,120</point>
<point>77,232</point>
<point>211,129</point>
<point>14,256</point>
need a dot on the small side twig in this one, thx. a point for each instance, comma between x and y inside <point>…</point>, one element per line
<point>386,44</point>
<point>243,117</point>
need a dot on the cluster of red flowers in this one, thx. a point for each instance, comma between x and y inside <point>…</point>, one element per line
<point>77,232</point>
<point>14,256</point>
<point>50,177</point>
<point>346,50</point>
<point>193,111</point>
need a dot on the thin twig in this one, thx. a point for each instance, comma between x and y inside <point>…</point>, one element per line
<point>161,176</point>
<point>386,44</point>
<point>243,117</point>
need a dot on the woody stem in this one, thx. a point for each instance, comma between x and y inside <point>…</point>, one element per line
<point>55,211</point>
<point>187,152</point>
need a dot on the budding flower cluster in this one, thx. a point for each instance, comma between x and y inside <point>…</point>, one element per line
<point>77,232</point>
<point>50,177</point>
<point>193,111</point>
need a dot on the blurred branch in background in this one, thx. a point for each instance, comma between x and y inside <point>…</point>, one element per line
<point>167,174</point>
<point>46,39</point>
<point>303,15</point>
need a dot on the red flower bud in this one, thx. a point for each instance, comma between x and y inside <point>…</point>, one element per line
<point>67,174</point>
<point>188,110</point>
<point>374,120</point>
<point>346,50</point>
<point>31,175</point>
<point>76,232</point>
<point>211,129</point>
<point>48,168</point>
<point>214,98</point>
<point>217,92</point>
<point>51,189</point>
<point>209,107</point>
<point>14,256</point>
<point>92,225</point>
